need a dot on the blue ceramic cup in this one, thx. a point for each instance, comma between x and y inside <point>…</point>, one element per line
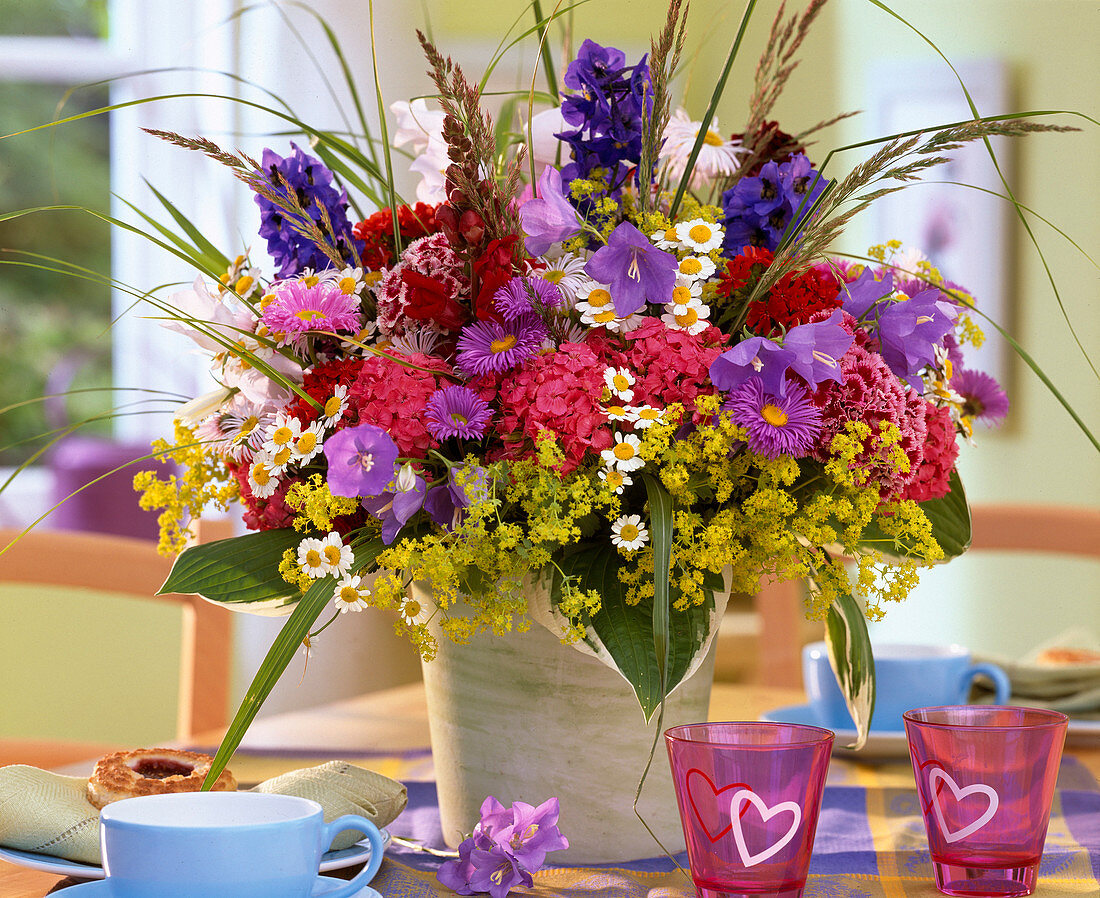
<point>906,677</point>
<point>221,844</point>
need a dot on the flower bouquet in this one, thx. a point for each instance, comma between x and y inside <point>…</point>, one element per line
<point>603,372</point>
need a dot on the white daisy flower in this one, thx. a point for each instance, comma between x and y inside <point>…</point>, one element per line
<point>567,273</point>
<point>700,236</point>
<point>335,406</point>
<point>351,281</point>
<point>626,325</point>
<point>619,381</point>
<point>263,480</point>
<point>413,612</point>
<point>696,268</point>
<point>629,533</point>
<point>311,558</point>
<point>349,595</point>
<point>718,157</point>
<point>623,456</point>
<point>617,412</point>
<point>280,461</point>
<point>281,433</point>
<point>683,294</point>
<point>690,318</point>
<point>666,239</point>
<point>605,318</point>
<point>338,558</point>
<point>615,479</point>
<point>645,416</point>
<point>308,444</point>
<point>417,339</point>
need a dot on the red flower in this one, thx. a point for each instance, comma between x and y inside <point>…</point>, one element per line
<point>933,475</point>
<point>428,300</point>
<point>494,268</point>
<point>377,232</point>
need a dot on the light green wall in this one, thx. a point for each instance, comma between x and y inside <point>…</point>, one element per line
<point>88,666</point>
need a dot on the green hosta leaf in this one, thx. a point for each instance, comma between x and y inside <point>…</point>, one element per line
<point>849,648</point>
<point>242,572</point>
<point>950,519</point>
<point>282,650</point>
<point>625,632</point>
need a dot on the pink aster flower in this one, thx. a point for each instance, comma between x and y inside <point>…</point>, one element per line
<point>983,398</point>
<point>298,309</point>
<point>777,425</point>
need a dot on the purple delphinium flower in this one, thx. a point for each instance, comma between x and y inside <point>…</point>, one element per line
<point>456,411</point>
<point>505,848</point>
<point>816,349</point>
<point>522,296</point>
<point>755,357</point>
<point>776,425</point>
<point>394,507</point>
<point>983,398</point>
<point>360,460</point>
<point>311,183</point>
<point>910,331</point>
<point>635,270</point>
<point>548,218</point>
<point>758,210</point>
<point>489,346</point>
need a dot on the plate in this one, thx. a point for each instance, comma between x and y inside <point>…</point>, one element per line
<point>887,744</point>
<point>325,885</point>
<point>48,863</point>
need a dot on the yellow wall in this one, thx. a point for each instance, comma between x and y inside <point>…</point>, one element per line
<point>86,665</point>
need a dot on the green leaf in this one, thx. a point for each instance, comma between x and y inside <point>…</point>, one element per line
<point>850,655</point>
<point>950,519</point>
<point>243,570</point>
<point>279,656</point>
<point>625,632</point>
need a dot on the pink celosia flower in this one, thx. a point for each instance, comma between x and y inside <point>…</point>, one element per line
<point>870,392</point>
<point>393,397</point>
<point>932,478</point>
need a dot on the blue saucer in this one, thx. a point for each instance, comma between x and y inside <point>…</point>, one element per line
<point>325,885</point>
<point>881,744</point>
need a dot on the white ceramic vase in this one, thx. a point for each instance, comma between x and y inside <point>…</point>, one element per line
<point>526,718</point>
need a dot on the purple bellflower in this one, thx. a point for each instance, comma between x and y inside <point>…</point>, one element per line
<point>635,270</point>
<point>394,507</point>
<point>754,357</point>
<point>360,460</point>
<point>465,486</point>
<point>816,349</point>
<point>866,295</point>
<point>909,332</point>
<point>548,218</point>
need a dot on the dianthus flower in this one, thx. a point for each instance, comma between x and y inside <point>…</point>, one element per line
<point>271,513</point>
<point>557,392</point>
<point>376,232</point>
<point>393,397</point>
<point>793,300</point>
<point>425,286</point>
<point>671,366</point>
<point>872,394</point>
<point>931,480</point>
<point>320,382</point>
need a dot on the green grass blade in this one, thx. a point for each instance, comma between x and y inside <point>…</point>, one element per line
<point>544,48</point>
<point>660,522</point>
<point>196,256</point>
<point>708,116</point>
<point>197,237</point>
<point>387,158</point>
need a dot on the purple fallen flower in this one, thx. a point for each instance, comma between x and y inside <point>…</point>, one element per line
<point>533,833</point>
<point>754,357</point>
<point>360,460</point>
<point>634,269</point>
<point>548,218</point>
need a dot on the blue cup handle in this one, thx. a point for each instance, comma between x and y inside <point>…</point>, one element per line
<point>1001,686</point>
<point>350,821</point>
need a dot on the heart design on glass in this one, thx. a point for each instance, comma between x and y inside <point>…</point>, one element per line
<point>736,813</point>
<point>938,773</point>
<point>708,809</point>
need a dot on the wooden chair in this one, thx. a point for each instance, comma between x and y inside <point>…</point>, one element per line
<point>780,630</point>
<point>132,567</point>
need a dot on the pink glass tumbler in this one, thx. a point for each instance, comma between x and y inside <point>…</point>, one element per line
<point>985,777</point>
<point>749,797</point>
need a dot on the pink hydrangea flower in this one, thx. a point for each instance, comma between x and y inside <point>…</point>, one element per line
<point>393,397</point>
<point>672,365</point>
<point>932,479</point>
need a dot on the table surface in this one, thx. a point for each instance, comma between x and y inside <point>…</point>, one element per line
<point>391,720</point>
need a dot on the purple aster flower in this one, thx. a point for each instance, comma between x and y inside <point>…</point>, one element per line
<point>456,411</point>
<point>549,218</point>
<point>983,398</point>
<point>817,348</point>
<point>756,356</point>
<point>635,270</point>
<point>311,183</point>
<point>909,332</point>
<point>777,425</point>
<point>489,346</point>
<point>522,296</point>
<point>360,460</point>
<point>394,507</point>
<point>298,309</point>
